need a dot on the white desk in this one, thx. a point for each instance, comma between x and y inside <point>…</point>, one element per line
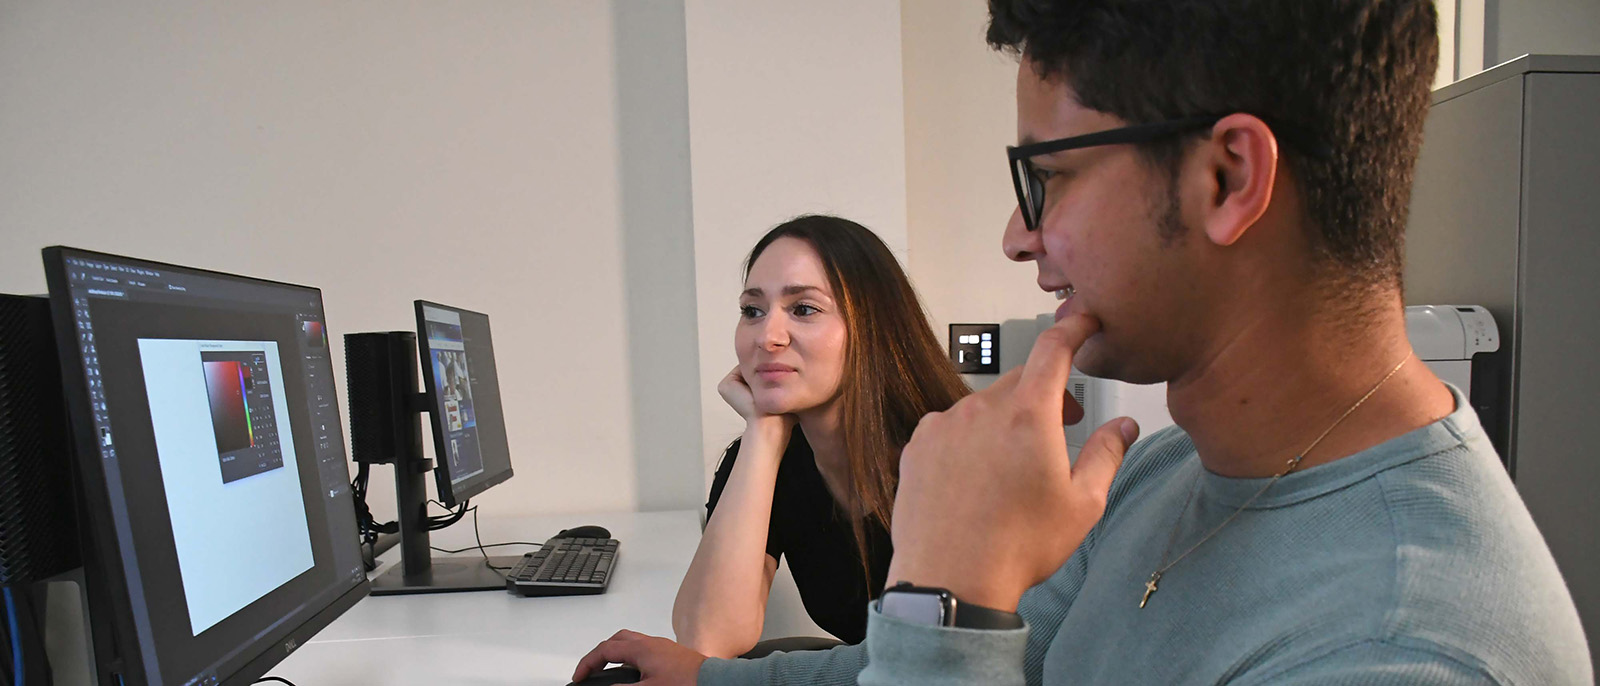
<point>494,637</point>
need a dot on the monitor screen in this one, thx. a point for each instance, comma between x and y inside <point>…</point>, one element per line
<point>469,428</point>
<point>220,524</point>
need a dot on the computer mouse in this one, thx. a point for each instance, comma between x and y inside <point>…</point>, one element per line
<point>587,531</point>
<point>615,675</point>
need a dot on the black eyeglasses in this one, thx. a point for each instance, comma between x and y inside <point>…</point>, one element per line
<point>1030,188</point>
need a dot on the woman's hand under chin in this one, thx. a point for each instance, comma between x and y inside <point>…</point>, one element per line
<point>736,392</point>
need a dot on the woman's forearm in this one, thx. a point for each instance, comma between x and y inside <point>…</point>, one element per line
<point>722,602</point>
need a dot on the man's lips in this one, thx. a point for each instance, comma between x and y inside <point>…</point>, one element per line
<point>1065,294</point>
<point>1062,291</point>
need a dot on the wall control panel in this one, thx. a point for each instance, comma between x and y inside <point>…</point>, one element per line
<point>975,348</point>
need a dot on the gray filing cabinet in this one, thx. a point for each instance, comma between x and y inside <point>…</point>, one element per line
<point>1506,214</point>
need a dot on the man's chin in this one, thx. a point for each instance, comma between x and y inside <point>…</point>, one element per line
<point>1093,358</point>
<point>1098,360</point>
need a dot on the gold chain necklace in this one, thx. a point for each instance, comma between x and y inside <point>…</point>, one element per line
<point>1155,577</point>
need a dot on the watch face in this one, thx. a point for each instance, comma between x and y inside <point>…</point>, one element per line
<point>915,607</point>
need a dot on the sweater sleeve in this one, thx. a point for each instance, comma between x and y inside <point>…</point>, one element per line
<point>835,667</point>
<point>905,653</point>
<point>1381,663</point>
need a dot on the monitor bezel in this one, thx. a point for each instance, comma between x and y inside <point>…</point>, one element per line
<point>118,657</point>
<point>447,492</point>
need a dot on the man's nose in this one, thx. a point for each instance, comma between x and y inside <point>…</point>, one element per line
<point>1019,244</point>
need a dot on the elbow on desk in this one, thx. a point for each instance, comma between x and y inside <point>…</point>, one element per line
<point>724,642</point>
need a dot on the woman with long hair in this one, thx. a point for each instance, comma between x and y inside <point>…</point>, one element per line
<point>837,364</point>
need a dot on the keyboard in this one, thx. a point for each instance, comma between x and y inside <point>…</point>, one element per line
<point>564,566</point>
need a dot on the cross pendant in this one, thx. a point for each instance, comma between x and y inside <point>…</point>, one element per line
<point>1149,588</point>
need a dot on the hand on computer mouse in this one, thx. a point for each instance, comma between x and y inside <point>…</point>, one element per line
<point>660,661</point>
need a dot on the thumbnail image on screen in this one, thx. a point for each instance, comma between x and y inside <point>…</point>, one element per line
<point>313,335</point>
<point>453,391</point>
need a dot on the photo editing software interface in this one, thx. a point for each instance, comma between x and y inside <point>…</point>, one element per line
<point>221,457</point>
<point>469,427</point>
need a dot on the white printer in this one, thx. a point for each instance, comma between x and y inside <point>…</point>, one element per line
<point>1446,337</point>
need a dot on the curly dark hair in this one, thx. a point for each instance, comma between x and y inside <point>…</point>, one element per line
<point>1351,75</point>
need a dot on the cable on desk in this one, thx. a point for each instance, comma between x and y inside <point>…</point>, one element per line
<point>485,555</point>
<point>437,549</point>
<point>369,528</point>
<point>278,679</point>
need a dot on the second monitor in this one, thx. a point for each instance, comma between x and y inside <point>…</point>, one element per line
<point>461,398</point>
<point>458,373</point>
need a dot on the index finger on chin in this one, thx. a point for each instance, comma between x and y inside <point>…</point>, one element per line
<point>1049,365</point>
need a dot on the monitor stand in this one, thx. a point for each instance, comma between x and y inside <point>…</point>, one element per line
<point>419,571</point>
<point>446,575</point>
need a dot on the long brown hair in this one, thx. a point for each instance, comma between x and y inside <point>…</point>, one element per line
<point>894,369</point>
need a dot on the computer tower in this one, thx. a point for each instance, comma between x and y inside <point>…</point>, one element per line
<point>38,522</point>
<point>381,378</point>
<point>38,527</point>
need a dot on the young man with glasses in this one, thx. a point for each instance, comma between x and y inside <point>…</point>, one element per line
<point>1216,190</point>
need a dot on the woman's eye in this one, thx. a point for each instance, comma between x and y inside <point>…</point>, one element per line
<point>804,310</point>
<point>1043,175</point>
<point>750,311</point>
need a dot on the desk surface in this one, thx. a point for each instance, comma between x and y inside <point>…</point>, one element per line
<point>494,637</point>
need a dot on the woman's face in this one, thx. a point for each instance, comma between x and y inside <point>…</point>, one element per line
<point>791,334</point>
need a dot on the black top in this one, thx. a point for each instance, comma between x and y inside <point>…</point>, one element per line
<point>809,526</point>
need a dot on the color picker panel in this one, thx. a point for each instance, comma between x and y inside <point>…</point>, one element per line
<point>230,419</point>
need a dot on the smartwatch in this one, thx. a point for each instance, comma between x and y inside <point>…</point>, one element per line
<point>932,606</point>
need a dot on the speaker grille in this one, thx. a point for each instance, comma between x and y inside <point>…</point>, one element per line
<point>375,366</point>
<point>38,527</point>
<point>366,384</point>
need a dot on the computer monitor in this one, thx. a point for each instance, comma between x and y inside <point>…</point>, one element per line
<point>218,523</point>
<point>469,426</point>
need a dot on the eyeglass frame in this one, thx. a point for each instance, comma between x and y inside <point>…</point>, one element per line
<point>1022,167</point>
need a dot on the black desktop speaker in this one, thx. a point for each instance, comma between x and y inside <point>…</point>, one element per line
<point>381,380</point>
<point>38,524</point>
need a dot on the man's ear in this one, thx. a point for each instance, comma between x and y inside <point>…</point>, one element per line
<point>1239,164</point>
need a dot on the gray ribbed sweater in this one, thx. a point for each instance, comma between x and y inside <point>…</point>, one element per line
<point>1412,562</point>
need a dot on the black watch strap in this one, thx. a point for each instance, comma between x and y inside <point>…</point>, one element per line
<point>973,616</point>
<point>956,613</point>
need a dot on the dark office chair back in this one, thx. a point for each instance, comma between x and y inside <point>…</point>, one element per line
<point>790,644</point>
<point>787,644</point>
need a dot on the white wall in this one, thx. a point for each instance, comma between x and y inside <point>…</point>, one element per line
<point>1462,46</point>
<point>793,108</point>
<point>509,157</point>
<point>531,160</point>
<point>960,114</point>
